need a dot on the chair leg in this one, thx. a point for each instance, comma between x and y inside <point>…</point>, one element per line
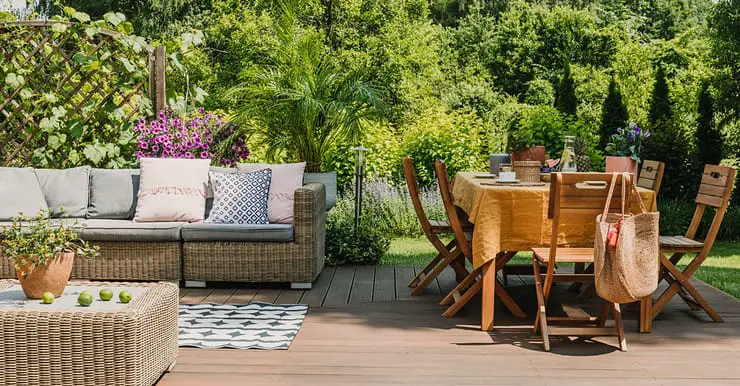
<point>463,300</point>
<point>425,271</point>
<point>620,327</point>
<point>604,314</point>
<point>540,323</point>
<point>460,288</point>
<point>435,272</point>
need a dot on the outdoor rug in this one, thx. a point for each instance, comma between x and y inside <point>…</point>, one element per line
<point>256,325</point>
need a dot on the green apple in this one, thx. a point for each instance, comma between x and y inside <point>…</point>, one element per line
<point>47,297</point>
<point>124,296</point>
<point>85,299</point>
<point>105,294</point>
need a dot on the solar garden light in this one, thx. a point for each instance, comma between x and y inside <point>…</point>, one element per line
<point>359,172</point>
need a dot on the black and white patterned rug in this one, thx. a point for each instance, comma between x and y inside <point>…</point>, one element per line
<point>256,325</point>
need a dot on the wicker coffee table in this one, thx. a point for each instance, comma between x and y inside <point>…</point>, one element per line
<point>108,343</point>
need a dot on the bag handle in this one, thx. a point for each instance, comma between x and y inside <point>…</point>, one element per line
<point>609,197</point>
<point>643,208</point>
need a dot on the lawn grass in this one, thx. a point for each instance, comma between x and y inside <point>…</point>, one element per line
<point>721,269</point>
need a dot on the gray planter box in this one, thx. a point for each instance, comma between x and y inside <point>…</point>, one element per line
<point>329,179</point>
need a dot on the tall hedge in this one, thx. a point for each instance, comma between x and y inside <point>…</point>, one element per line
<point>613,113</point>
<point>708,136</point>
<point>565,96</point>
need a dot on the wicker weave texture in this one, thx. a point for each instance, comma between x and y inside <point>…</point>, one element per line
<point>122,261</point>
<point>300,261</point>
<point>88,347</point>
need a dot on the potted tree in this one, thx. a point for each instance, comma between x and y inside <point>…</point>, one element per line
<point>42,253</point>
<point>623,150</point>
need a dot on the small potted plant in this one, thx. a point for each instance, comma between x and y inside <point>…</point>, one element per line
<point>623,150</point>
<point>42,253</point>
<point>523,147</point>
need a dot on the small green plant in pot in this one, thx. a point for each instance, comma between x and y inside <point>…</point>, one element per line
<point>43,253</point>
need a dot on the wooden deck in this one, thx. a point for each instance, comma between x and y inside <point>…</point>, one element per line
<point>363,328</point>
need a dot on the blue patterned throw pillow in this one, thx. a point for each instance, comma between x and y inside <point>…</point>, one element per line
<point>240,198</point>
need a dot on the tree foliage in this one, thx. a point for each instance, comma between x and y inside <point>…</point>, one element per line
<point>708,136</point>
<point>565,95</point>
<point>614,113</point>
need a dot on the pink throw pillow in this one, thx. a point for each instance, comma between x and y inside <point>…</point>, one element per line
<point>286,178</point>
<point>172,189</point>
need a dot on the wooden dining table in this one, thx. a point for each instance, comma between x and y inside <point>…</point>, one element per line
<point>513,217</point>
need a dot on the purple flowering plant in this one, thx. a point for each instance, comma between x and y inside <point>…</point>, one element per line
<point>195,136</point>
<point>627,142</point>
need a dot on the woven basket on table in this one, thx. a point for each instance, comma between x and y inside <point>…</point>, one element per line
<point>527,171</point>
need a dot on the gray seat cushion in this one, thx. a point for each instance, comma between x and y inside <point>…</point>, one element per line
<point>128,230</point>
<point>237,232</point>
<point>55,221</point>
<point>65,190</point>
<point>329,179</point>
<point>20,192</point>
<point>113,193</point>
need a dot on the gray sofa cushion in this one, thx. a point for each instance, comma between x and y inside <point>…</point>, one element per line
<point>128,230</point>
<point>20,192</point>
<point>66,190</point>
<point>237,232</point>
<point>113,193</point>
<point>54,221</point>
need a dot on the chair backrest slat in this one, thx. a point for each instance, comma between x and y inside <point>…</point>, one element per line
<point>440,170</point>
<point>715,191</point>
<point>651,175</point>
<point>583,193</point>
<point>716,186</point>
<point>426,226</point>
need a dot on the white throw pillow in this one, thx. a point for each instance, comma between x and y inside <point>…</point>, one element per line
<point>172,189</point>
<point>286,178</point>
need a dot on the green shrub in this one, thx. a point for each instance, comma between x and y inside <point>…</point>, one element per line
<point>458,138</point>
<point>344,245</point>
<point>675,216</point>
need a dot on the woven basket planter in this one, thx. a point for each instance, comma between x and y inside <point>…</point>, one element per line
<point>527,171</point>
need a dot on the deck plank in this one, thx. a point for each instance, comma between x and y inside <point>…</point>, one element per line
<point>315,296</point>
<point>404,342</point>
<point>288,296</point>
<point>403,276</point>
<point>196,296</point>
<point>362,289</point>
<point>385,283</point>
<point>268,295</point>
<point>219,296</point>
<point>446,281</point>
<point>340,287</point>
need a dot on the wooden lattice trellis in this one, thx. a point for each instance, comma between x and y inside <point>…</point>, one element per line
<point>85,93</point>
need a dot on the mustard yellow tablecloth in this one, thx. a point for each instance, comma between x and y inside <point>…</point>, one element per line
<point>514,218</point>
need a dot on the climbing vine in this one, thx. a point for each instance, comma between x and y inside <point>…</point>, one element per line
<point>71,90</point>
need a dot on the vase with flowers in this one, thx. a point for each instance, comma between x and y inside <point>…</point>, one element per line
<point>43,252</point>
<point>624,147</point>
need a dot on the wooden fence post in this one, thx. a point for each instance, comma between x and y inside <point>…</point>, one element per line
<point>157,82</point>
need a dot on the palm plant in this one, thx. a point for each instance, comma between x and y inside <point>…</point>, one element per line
<point>304,103</point>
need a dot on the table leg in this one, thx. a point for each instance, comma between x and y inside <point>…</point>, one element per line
<point>646,314</point>
<point>488,277</point>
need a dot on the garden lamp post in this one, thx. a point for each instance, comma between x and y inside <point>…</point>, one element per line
<point>359,172</point>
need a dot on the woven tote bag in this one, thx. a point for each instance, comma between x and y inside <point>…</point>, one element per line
<point>626,269</point>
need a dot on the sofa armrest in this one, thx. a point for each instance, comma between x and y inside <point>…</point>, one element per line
<point>310,214</point>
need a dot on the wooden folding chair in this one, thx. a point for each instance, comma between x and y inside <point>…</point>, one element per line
<point>472,283</point>
<point>651,177</point>
<point>447,254</point>
<point>576,194</point>
<point>714,191</point>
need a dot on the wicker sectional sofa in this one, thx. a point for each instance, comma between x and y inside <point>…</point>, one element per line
<point>194,252</point>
